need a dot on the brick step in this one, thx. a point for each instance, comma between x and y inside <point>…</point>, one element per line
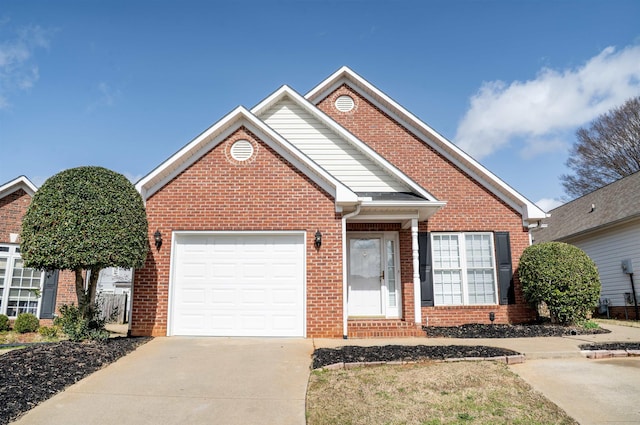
<point>383,328</point>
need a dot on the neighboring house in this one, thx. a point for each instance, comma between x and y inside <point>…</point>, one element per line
<point>22,290</point>
<point>336,214</point>
<point>606,225</point>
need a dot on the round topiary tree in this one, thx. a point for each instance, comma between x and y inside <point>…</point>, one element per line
<point>563,277</point>
<point>85,218</point>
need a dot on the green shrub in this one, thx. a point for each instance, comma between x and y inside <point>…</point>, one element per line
<point>4,323</point>
<point>78,328</point>
<point>48,331</point>
<point>26,322</point>
<point>563,277</point>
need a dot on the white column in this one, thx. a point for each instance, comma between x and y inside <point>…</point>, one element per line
<point>416,271</point>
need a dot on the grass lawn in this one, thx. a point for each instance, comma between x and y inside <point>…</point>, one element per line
<point>428,394</point>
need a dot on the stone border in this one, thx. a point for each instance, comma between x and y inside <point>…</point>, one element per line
<point>608,354</point>
<point>512,359</point>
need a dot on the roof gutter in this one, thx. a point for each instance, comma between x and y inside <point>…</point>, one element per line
<point>345,313</point>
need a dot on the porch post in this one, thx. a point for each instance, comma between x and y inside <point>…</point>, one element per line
<point>416,271</point>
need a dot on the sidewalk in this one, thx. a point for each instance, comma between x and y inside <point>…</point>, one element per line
<point>532,348</point>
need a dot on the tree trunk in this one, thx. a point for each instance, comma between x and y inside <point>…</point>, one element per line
<point>91,288</point>
<point>81,294</point>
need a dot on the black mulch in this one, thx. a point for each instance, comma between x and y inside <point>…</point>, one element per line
<point>354,354</point>
<point>611,346</point>
<point>508,331</point>
<point>31,375</point>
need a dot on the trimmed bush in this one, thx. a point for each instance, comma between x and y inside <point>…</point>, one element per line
<point>77,327</point>
<point>563,277</point>
<point>26,322</point>
<point>48,331</point>
<point>4,323</point>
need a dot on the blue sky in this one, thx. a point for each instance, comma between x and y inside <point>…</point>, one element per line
<point>125,84</point>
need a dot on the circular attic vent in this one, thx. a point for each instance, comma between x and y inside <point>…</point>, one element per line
<point>345,103</point>
<point>241,150</point>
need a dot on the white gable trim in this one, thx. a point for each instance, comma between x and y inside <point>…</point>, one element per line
<point>498,187</point>
<point>18,183</point>
<point>388,167</point>
<point>217,133</point>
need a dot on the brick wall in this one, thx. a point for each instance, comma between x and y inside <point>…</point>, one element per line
<point>12,209</point>
<point>263,193</point>
<point>470,207</point>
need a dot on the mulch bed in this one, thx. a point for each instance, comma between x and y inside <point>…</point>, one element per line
<point>508,331</point>
<point>33,374</point>
<point>389,353</point>
<point>611,346</point>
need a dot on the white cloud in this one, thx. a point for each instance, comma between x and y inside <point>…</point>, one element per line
<point>532,113</point>
<point>547,204</point>
<point>17,68</point>
<point>107,96</point>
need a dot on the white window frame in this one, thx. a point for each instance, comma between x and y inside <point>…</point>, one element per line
<point>464,267</point>
<point>11,255</point>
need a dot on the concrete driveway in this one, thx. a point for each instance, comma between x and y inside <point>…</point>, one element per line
<point>181,380</point>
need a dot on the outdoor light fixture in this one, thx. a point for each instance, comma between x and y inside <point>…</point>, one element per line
<point>492,316</point>
<point>318,239</point>
<point>157,236</point>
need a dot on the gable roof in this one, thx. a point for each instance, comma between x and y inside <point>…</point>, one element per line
<point>530,211</point>
<point>217,133</point>
<point>616,203</point>
<point>381,163</point>
<point>18,183</point>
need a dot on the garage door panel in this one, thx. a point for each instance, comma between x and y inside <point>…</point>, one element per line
<point>238,285</point>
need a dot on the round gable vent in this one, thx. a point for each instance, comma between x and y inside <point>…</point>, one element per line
<point>241,150</point>
<point>345,103</point>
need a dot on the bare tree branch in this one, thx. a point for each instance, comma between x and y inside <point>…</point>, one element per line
<point>606,151</point>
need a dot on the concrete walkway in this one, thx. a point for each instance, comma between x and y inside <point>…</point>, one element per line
<point>179,380</point>
<point>190,381</point>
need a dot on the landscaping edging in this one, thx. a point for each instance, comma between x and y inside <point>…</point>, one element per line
<point>511,359</point>
<point>607,354</point>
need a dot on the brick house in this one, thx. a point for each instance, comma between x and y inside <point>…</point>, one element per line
<point>19,285</point>
<point>334,214</point>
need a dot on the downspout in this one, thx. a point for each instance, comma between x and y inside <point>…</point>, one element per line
<point>345,313</point>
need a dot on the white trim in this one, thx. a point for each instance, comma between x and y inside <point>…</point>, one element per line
<point>391,169</point>
<point>11,255</point>
<point>180,233</point>
<point>450,151</point>
<point>21,182</point>
<point>217,133</point>
<point>464,267</point>
<point>415,254</point>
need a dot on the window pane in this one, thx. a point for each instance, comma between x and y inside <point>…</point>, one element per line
<point>447,287</point>
<point>446,253</point>
<point>481,286</point>
<point>391,273</point>
<point>22,293</point>
<point>478,250</point>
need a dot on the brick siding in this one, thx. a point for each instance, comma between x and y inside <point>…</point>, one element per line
<point>470,206</point>
<point>264,193</point>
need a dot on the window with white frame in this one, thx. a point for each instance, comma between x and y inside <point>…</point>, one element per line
<point>19,286</point>
<point>464,271</point>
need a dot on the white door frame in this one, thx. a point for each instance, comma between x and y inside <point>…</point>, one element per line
<point>388,311</point>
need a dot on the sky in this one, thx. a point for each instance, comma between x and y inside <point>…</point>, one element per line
<point>125,84</point>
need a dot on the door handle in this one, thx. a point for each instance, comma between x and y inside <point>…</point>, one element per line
<point>382,275</point>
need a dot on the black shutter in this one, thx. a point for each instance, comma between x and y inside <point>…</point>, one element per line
<point>49,291</point>
<point>505,268</point>
<point>426,280</point>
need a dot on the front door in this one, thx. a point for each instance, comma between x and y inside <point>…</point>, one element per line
<point>373,275</point>
<point>365,276</point>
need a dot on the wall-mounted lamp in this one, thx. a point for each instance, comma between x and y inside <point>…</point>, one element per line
<point>157,236</point>
<point>492,316</point>
<point>318,239</point>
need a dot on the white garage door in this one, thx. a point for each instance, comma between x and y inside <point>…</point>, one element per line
<point>238,285</point>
